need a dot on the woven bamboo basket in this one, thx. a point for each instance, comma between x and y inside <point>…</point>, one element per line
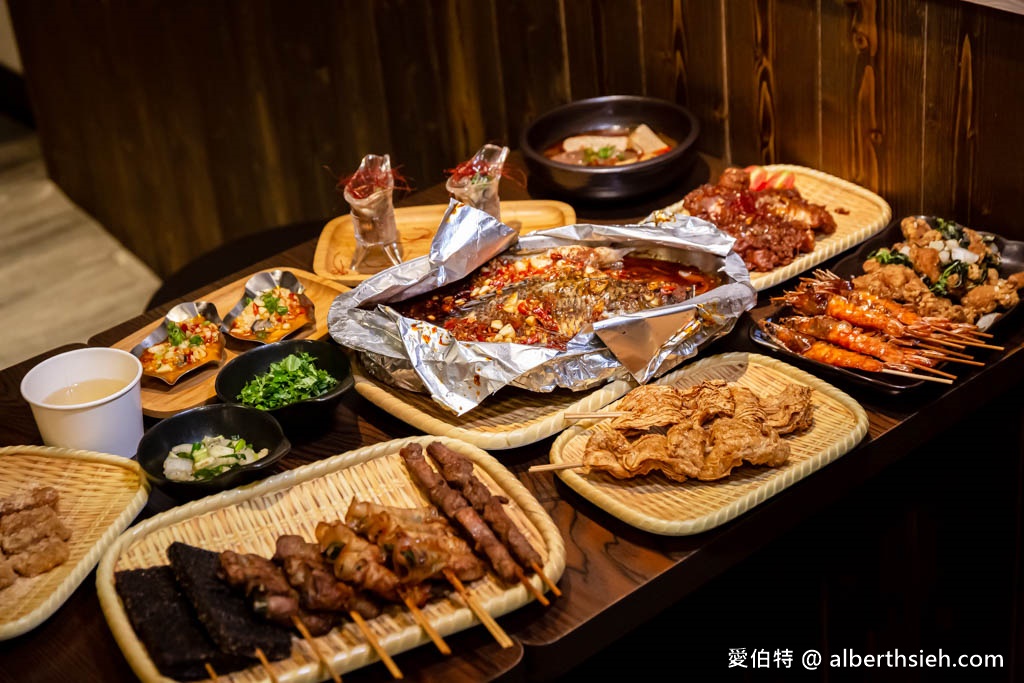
<point>250,518</point>
<point>655,503</point>
<point>100,495</point>
<point>859,214</point>
<point>509,419</point>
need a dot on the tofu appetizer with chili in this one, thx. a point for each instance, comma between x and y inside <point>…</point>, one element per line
<point>189,344</point>
<point>270,316</point>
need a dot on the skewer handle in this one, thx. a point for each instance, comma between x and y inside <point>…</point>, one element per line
<point>595,416</point>
<point>912,375</point>
<point>213,674</point>
<point>308,637</point>
<point>431,632</point>
<point>262,656</point>
<point>483,615</point>
<point>547,581</point>
<point>555,467</point>
<point>375,644</point>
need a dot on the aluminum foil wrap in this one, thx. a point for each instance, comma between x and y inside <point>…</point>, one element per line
<point>416,355</point>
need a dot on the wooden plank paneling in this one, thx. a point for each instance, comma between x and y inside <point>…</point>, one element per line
<point>745,60</point>
<point>532,50</point>
<point>195,122</point>
<point>996,201</point>
<point>797,97</point>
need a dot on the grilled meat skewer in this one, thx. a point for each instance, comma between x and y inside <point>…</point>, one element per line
<point>455,506</point>
<point>458,471</point>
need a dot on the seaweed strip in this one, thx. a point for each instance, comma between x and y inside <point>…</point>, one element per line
<point>228,618</point>
<point>164,621</point>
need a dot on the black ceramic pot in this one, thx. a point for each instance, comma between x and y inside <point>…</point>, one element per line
<point>609,183</point>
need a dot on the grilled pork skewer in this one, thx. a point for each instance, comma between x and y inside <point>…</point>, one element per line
<point>457,508</point>
<point>362,563</point>
<point>458,472</point>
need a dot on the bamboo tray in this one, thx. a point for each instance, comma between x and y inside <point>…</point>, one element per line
<point>661,506</point>
<point>100,495</point>
<point>417,225</point>
<point>509,419</point>
<point>250,518</point>
<point>160,399</point>
<point>868,214</point>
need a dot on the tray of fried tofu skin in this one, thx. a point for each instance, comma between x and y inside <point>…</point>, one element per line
<point>329,567</point>
<point>59,510</point>
<point>705,444</point>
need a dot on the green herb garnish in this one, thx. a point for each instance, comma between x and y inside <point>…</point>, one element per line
<point>942,286</point>
<point>294,378</point>
<point>951,230</point>
<point>175,333</point>
<point>887,256</point>
<point>195,340</point>
<point>274,305</point>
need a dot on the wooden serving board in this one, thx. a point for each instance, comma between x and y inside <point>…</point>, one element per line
<point>160,399</point>
<point>417,225</point>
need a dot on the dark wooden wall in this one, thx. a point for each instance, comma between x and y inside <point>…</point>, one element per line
<point>180,125</point>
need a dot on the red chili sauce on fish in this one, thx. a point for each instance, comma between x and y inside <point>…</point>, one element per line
<point>548,301</point>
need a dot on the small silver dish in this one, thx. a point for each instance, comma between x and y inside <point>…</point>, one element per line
<point>178,314</point>
<point>256,286</point>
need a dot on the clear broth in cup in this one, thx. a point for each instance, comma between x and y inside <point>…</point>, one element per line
<point>85,392</point>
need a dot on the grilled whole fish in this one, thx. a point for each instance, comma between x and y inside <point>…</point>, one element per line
<point>548,298</point>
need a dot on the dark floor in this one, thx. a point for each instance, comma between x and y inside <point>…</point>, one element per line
<point>922,558</point>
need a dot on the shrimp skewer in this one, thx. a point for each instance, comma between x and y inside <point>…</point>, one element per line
<point>823,352</point>
<point>845,335</point>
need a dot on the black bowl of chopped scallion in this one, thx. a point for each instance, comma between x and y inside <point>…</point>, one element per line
<point>248,442</point>
<point>297,381</point>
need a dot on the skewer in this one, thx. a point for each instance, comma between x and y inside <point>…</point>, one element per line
<point>935,349</point>
<point>528,585</point>
<point>932,370</point>
<point>963,361</point>
<point>912,375</point>
<point>213,674</point>
<point>431,632</point>
<point>485,618</point>
<point>555,466</point>
<point>967,341</point>
<point>941,342</point>
<point>375,644</point>
<point>595,415</point>
<point>266,664</point>
<point>308,637</point>
<point>547,581</point>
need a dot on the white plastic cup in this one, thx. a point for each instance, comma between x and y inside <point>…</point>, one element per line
<point>112,424</point>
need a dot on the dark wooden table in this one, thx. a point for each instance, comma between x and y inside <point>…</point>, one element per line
<point>616,578</point>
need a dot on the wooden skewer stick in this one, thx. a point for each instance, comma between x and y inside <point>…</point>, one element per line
<point>941,342</point>
<point>375,644</point>
<point>213,674</point>
<point>937,349</point>
<point>967,341</point>
<point>547,581</point>
<point>262,656</point>
<point>308,637</point>
<point>555,466</point>
<point>528,585</point>
<point>594,416</point>
<point>431,632</point>
<point>964,361</point>
<point>912,375</point>
<point>485,618</point>
<point>925,368</point>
